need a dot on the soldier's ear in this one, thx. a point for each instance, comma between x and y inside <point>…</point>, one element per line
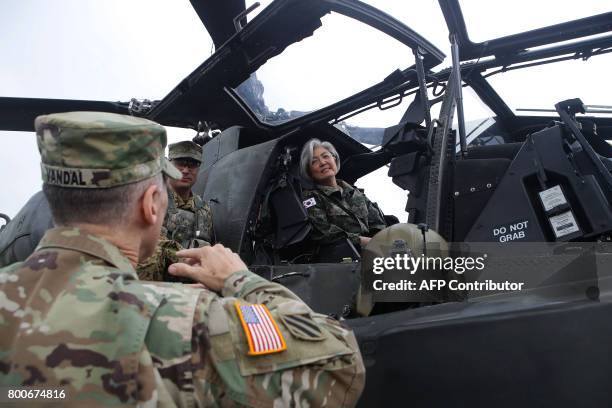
<point>153,205</point>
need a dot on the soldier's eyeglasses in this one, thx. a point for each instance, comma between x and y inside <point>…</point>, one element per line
<point>191,164</point>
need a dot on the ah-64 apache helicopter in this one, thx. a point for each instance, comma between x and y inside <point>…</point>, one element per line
<point>512,179</point>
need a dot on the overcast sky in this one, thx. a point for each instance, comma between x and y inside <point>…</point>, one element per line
<point>119,49</point>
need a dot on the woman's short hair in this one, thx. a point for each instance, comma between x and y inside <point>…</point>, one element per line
<point>308,151</point>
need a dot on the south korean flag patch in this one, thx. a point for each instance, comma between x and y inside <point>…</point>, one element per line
<point>309,203</point>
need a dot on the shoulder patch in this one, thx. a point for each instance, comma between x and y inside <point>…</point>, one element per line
<point>262,332</point>
<point>302,327</point>
<point>309,203</point>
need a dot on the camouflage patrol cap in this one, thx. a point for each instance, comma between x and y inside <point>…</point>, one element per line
<point>100,150</point>
<point>185,150</point>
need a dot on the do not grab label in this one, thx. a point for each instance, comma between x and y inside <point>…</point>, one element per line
<point>511,232</point>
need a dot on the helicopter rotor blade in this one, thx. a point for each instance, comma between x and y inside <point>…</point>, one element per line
<point>18,114</point>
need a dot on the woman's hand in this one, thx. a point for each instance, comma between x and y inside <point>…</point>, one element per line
<point>363,241</point>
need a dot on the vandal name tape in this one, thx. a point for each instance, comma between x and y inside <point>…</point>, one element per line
<point>98,178</point>
<point>71,177</point>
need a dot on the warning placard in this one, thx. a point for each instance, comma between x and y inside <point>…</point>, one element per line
<point>552,198</point>
<point>564,224</point>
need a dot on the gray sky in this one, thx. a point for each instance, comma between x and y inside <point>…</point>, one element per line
<point>119,49</point>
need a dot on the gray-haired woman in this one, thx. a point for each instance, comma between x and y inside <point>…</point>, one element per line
<point>336,209</point>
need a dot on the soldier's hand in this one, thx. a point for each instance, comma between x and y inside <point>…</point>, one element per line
<point>210,266</point>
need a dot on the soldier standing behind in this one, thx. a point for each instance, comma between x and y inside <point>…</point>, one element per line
<point>188,223</point>
<point>74,315</point>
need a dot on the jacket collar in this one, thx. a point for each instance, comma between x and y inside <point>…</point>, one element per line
<point>179,202</point>
<point>79,240</point>
<point>343,188</point>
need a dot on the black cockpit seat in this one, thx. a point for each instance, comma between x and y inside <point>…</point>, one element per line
<point>289,226</point>
<point>283,223</point>
<point>290,216</point>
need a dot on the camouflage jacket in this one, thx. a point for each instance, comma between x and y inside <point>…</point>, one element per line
<point>155,268</point>
<point>181,226</point>
<point>75,316</point>
<point>341,212</point>
<point>183,219</point>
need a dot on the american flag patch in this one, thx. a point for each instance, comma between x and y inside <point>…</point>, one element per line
<point>261,330</point>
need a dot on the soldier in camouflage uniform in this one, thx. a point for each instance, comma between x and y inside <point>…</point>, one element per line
<point>336,209</point>
<point>75,316</point>
<point>188,222</point>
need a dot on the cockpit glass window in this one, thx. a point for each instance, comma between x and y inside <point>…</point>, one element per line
<point>424,17</point>
<point>367,126</point>
<point>111,50</point>
<point>341,58</point>
<point>494,19</point>
<point>539,88</point>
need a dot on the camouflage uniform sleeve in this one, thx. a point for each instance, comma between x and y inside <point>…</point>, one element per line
<point>152,390</point>
<point>155,267</point>
<point>376,220</point>
<point>322,367</point>
<point>323,231</point>
<point>209,224</point>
